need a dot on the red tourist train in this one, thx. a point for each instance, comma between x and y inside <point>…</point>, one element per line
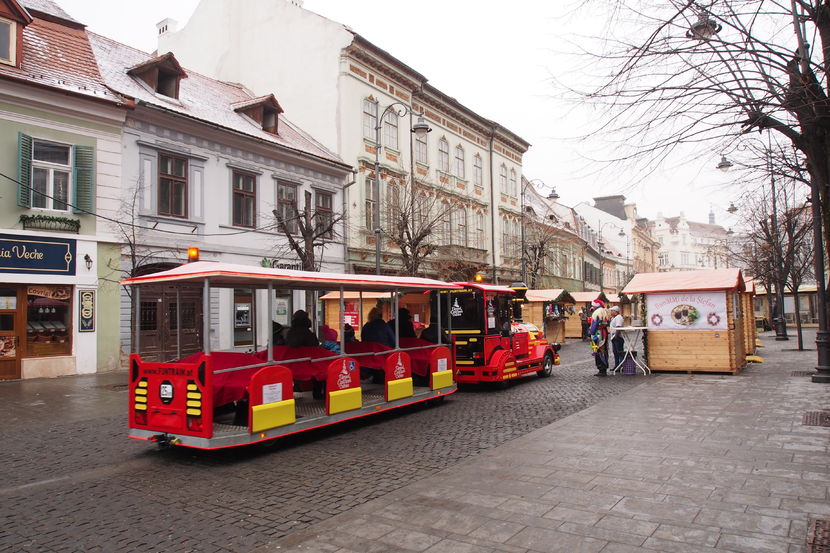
<point>491,342</point>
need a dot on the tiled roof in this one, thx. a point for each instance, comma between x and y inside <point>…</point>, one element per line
<point>200,98</point>
<point>705,228</point>
<point>59,57</point>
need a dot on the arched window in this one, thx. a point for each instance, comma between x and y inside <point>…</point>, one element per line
<point>503,179</point>
<point>446,224</point>
<point>370,118</point>
<point>393,208</point>
<point>461,226</point>
<point>478,171</point>
<point>459,162</point>
<point>421,149</point>
<point>444,155</point>
<point>513,186</point>
<point>390,130</point>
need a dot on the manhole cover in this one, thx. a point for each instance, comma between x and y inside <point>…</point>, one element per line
<point>115,387</point>
<point>818,539</point>
<point>802,373</point>
<point>816,418</point>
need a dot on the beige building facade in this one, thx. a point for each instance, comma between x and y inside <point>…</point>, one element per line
<point>348,93</point>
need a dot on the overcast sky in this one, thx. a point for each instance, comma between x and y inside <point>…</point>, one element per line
<point>497,58</point>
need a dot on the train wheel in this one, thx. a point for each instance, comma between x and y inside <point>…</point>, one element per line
<point>547,366</point>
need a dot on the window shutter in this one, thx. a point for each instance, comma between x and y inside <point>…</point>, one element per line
<point>24,170</point>
<point>84,180</point>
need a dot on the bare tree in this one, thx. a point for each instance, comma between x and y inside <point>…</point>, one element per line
<point>706,74</point>
<point>417,220</point>
<point>307,232</point>
<point>780,252</point>
<point>137,247</point>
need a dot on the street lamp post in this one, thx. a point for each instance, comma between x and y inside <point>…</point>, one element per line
<point>419,129</point>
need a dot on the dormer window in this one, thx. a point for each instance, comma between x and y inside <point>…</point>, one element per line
<point>8,41</point>
<point>162,74</point>
<point>264,111</point>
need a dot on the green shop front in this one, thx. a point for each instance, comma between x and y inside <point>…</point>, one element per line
<point>48,305</point>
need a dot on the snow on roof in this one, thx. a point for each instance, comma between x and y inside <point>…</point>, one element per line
<point>230,274</point>
<point>678,281</point>
<point>58,56</point>
<point>200,97</point>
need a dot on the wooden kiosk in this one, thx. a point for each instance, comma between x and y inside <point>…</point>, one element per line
<point>573,325</point>
<point>625,305</point>
<point>550,310</point>
<point>357,308</point>
<point>694,320</point>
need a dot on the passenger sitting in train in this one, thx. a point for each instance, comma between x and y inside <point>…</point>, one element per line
<point>404,322</point>
<point>300,334</point>
<point>376,330</point>
<point>329,336</point>
<point>430,333</point>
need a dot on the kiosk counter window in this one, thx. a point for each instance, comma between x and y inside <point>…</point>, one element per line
<point>48,320</point>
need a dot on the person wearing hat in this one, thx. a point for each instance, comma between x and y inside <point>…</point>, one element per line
<point>599,336</point>
<point>617,342</point>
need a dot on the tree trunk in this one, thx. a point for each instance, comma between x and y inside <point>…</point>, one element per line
<point>798,320</point>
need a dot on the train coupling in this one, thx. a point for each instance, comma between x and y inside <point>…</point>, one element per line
<point>165,440</point>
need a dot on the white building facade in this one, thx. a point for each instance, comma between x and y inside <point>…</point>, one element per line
<point>688,245</point>
<point>208,165</point>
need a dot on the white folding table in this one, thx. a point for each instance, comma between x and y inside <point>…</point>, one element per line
<point>631,337</point>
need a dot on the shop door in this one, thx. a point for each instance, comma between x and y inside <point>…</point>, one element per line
<point>159,318</point>
<point>11,327</point>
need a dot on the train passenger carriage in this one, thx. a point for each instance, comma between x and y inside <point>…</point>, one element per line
<point>218,399</point>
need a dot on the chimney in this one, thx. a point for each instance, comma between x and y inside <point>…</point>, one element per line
<point>613,205</point>
<point>167,25</point>
<point>711,216</point>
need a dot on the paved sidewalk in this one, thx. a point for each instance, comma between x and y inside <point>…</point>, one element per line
<point>682,463</point>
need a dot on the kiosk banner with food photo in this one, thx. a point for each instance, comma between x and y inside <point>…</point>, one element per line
<point>687,311</point>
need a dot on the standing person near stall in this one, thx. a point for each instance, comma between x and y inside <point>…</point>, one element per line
<point>617,341</point>
<point>599,336</point>
<point>583,319</point>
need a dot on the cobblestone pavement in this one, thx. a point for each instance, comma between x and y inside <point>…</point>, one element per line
<point>70,480</point>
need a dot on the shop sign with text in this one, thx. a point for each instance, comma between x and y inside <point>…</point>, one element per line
<point>686,311</point>
<point>29,254</point>
<point>86,314</point>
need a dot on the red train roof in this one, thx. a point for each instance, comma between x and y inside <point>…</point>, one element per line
<point>229,274</point>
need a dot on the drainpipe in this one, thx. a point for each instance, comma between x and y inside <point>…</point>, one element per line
<point>345,213</point>
<point>493,207</point>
